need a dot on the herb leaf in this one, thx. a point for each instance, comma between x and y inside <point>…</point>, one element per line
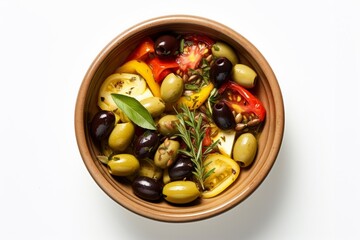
<point>192,133</point>
<point>134,110</point>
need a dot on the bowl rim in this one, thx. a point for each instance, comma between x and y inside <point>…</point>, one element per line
<point>186,216</point>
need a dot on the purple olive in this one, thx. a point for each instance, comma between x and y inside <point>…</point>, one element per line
<point>147,188</point>
<point>146,144</point>
<point>223,117</point>
<point>181,169</point>
<point>102,124</point>
<point>166,45</point>
<point>220,71</point>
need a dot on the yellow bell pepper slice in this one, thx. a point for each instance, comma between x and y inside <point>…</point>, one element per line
<point>141,68</point>
<point>197,99</point>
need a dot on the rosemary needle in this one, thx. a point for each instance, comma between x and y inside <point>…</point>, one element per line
<point>192,133</point>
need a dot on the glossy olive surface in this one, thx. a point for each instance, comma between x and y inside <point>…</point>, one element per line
<point>102,124</point>
<point>147,188</point>
<point>245,149</point>
<point>220,71</point>
<point>181,192</point>
<point>223,116</point>
<point>222,49</point>
<point>146,144</point>
<point>166,45</point>
<point>121,136</point>
<point>172,88</point>
<point>181,169</point>
<point>123,165</point>
<point>244,75</point>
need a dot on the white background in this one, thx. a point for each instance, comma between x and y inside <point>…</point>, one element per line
<point>312,191</point>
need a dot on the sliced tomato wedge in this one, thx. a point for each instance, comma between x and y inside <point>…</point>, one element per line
<point>241,100</point>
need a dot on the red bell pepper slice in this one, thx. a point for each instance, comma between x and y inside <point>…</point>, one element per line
<point>143,50</point>
<point>241,100</point>
<point>161,67</point>
<point>207,137</point>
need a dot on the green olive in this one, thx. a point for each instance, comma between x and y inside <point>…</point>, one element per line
<point>166,153</point>
<point>171,88</point>
<point>149,169</point>
<point>181,192</point>
<point>245,149</point>
<point>166,178</point>
<point>221,49</point>
<point>121,136</point>
<point>244,75</point>
<point>123,165</point>
<point>154,105</point>
<point>167,125</point>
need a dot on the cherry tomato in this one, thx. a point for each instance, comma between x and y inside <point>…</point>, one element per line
<point>226,171</point>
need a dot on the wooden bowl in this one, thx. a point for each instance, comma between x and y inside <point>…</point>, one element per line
<point>114,54</point>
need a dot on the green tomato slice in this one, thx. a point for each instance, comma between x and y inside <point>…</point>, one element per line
<point>225,173</point>
<point>129,84</point>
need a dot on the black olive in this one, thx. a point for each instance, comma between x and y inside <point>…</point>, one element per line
<point>181,169</point>
<point>146,144</point>
<point>220,71</point>
<point>147,188</point>
<point>102,124</point>
<point>166,45</point>
<point>223,116</point>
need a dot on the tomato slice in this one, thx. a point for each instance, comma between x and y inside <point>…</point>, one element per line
<point>225,173</point>
<point>129,84</point>
<point>196,47</point>
<point>242,101</point>
<point>190,58</point>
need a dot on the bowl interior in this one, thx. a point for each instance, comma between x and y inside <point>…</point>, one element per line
<point>267,90</point>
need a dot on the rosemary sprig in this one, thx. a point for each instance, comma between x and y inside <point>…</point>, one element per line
<point>192,133</point>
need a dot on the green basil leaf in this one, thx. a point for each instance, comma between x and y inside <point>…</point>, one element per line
<point>133,109</point>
